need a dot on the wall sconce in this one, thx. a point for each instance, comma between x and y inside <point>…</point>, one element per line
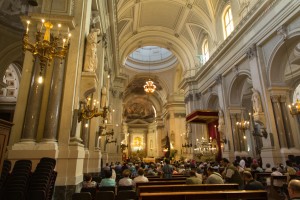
<point>88,110</point>
<point>107,141</point>
<point>123,146</point>
<point>104,132</point>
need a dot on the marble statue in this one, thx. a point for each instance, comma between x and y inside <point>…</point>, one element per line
<point>91,59</point>
<point>221,121</point>
<point>256,101</point>
<point>103,97</point>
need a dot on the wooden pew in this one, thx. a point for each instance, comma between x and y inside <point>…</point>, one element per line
<point>205,195</point>
<point>173,182</point>
<point>185,188</point>
<point>165,179</point>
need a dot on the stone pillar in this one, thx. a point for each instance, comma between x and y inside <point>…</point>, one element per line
<point>279,122</point>
<point>33,107</point>
<point>286,122</point>
<point>235,138</point>
<point>54,102</point>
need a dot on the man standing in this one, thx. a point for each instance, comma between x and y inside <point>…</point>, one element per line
<point>294,189</point>
<point>231,174</point>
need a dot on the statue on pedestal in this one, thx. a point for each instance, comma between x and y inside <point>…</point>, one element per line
<point>256,101</point>
<point>221,121</point>
<point>91,59</point>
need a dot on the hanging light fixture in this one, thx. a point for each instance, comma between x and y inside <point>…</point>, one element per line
<point>149,87</point>
<point>47,45</point>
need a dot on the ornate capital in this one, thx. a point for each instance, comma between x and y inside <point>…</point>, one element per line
<point>114,92</point>
<point>251,52</point>
<point>282,99</point>
<point>218,79</point>
<point>282,30</point>
<point>275,98</point>
<point>198,95</point>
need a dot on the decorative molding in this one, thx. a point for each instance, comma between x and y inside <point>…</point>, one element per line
<point>235,70</point>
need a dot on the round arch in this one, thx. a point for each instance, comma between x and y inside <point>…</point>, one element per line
<point>278,65</point>
<point>212,101</point>
<point>238,87</point>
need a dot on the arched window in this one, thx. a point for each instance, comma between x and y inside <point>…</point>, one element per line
<point>205,51</point>
<point>11,78</point>
<point>227,22</point>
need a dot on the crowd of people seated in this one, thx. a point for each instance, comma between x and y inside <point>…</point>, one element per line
<point>241,171</point>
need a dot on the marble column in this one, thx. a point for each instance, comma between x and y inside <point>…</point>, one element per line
<point>33,108</point>
<point>279,122</point>
<point>286,122</point>
<point>54,102</point>
<point>235,139</point>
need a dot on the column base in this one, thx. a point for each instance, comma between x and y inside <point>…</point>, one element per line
<point>74,141</point>
<point>66,192</point>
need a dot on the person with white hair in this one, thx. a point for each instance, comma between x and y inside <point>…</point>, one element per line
<point>294,189</point>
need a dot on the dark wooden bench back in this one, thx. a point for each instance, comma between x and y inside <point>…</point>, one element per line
<point>186,188</point>
<point>176,182</point>
<point>165,179</point>
<point>204,195</point>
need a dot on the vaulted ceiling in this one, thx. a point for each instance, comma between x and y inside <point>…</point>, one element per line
<point>179,26</point>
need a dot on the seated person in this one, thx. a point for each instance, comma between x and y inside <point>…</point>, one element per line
<point>275,172</point>
<point>140,177</point>
<point>107,181</point>
<point>88,183</point>
<point>126,181</point>
<point>294,189</point>
<point>250,183</point>
<point>268,168</point>
<point>214,177</point>
<point>193,179</point>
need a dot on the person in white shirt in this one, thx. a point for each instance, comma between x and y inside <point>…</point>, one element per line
<point>140,177</point>
<point>126,181</point>
<point>275,172</point>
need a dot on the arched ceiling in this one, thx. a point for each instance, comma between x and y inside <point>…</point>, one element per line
<point>175,25</point>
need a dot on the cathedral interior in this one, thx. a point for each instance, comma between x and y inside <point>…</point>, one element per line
<point>90,82</point>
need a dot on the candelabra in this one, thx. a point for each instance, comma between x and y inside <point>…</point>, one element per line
<point>187,145</point>
<point>46,45</point>
<point>295,108</point>
<point>204,148</point>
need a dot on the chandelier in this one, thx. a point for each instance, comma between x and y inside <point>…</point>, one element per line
<point>46,45</point>
<point>149,87</point>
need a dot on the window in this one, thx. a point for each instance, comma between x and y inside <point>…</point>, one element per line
<point>205,51</point>
<point>228,23</point>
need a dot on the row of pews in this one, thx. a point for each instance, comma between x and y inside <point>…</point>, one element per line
<point>171,189</point>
